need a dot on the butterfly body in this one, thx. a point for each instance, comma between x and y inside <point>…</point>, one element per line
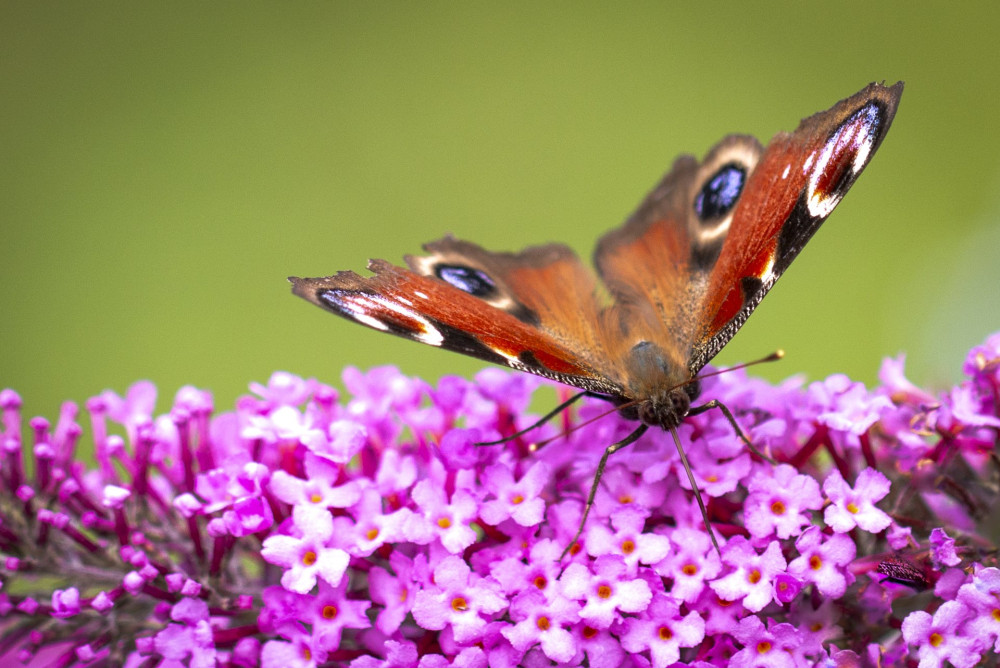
<point>672,285</point>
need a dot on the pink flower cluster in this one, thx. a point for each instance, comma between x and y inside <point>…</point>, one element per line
<point>305,530</point>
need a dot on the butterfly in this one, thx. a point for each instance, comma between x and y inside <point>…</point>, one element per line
<point>673,284</point>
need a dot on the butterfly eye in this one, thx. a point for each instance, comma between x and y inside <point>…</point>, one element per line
<point>466,279</point>
<point>718,196</point>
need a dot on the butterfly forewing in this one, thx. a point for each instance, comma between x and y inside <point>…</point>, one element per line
<point>469,320</point>
<point>800,179</point>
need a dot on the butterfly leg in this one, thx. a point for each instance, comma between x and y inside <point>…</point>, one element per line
<point>715,403</point>
<point>694,488</point>
<point>610,450</point>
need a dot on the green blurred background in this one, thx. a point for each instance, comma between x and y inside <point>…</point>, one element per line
<point>165,167</point>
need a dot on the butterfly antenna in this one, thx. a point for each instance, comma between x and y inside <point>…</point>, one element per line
<point>694,488</point>
<point>542,444</point>
<point>773,357</point>
<point>548,416</point>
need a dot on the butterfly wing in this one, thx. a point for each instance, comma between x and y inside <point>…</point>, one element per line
<point>685,271</point>
<point>798,182</point>
<point>710,240</point>
<point>533,311</point>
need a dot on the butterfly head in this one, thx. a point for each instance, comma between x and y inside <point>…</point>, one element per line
<point>668,408</point>
<point>665,409</point>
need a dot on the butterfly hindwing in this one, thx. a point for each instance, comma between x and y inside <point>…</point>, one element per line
<point>658,263</point>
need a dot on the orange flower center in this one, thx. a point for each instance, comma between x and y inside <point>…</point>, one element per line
<point>459,604</point>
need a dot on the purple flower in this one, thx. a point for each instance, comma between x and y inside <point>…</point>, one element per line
<point>982,599</point>
<point>517,500</point>
<point>752,577</point>
<point>307,556</point>
<point>771,647</point>
<point>981,362</point>
<point>692,563</point>
<point>283,389</point>
<point>716,477</point>
<point>458,599</point>
<point>330,612</point>
<point>374,528</point>
<point>940,638</point>
<point>816,627</point>
<point>846,406</point>
<point>449,522</point>
<point>897,385</point>
<point>823,560</point>
<point>189,641</point>
<point>539,570</point>
<point>602,649</point>
<point>543,620</point>
<point>855,507</point>
<point>604,590</point>
<point>395,591</point>
<point>300,652</point>
<point>786,588</point>
<point>943,553</point>
<point>662,631</point>
<point>621,488</point>
<point>628,540</point>
<point>778,502</point>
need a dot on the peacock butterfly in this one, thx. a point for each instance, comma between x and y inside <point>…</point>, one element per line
<point>678,279</point>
